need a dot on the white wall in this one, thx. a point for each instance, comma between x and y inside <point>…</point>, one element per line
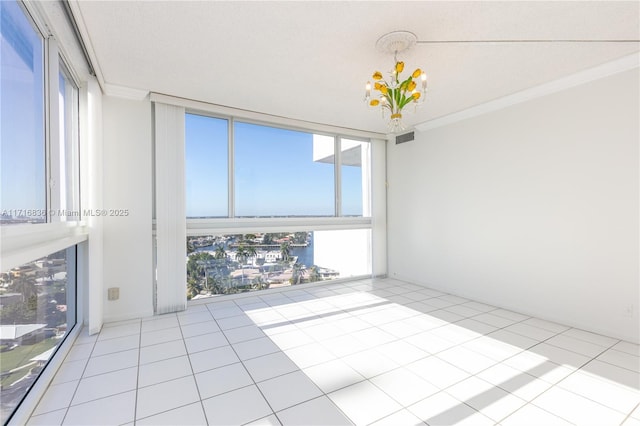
<point>533,207</point>
<point>128,185</point>
<point>345,251</point>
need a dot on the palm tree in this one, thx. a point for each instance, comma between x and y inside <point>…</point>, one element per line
<point>241,254</point>
<point>314,275</point>
<point>297,273</point>
<point>25,286</point>
<point>197,265</point>
<point>251,251</point>
<point>241,257</point>
<point>193,288</point>
<point>213,284</point>
<point>220,253</point>
<point>285,251</point>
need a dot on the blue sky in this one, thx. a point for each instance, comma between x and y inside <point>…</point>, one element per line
<point>22,147</point>
<point>275,174</point>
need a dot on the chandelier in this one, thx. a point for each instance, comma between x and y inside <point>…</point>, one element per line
<point>396,93</point>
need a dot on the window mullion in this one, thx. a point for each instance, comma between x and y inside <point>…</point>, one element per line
<point>52,130</point>
<point>338,174</point>
<point>231,158</point>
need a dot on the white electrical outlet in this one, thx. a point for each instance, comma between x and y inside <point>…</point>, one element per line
<point>113,293</point>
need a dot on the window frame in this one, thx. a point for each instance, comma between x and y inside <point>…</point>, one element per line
<point>69,148</point>
<point>24,243</point>
<point>171,226</point>
<point>37,28</point>
<point>230,195</point>
<point>234,222</point>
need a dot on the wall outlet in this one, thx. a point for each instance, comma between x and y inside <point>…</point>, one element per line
<point>113,293</point>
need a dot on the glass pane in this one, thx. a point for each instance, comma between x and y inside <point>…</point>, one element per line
<point>282,173</point>
<point>22,147</point>
<point>67,171</point>
<point>355,170</point>
<point>38,309</point>
<point>207,170</point>
<point>226,264</point>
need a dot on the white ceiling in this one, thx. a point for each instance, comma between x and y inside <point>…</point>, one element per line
<point>310,60</point>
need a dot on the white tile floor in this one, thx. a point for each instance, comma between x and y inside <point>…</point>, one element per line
<point>379,352</point>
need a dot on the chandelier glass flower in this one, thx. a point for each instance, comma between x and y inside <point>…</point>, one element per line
<point>394,94</point>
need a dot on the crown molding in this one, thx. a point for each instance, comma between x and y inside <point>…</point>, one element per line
<point>259,117</point>
<point>125,92</point>
<point>609,68</point>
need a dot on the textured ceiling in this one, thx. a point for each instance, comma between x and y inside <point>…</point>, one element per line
<point>310,60</point>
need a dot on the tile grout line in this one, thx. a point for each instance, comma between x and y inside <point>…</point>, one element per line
<point>245,369</point>
<point>79,380</point>
<point>193,373</point>
<point>135,403</point>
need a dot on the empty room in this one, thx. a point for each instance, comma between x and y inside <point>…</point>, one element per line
<point>320,213</point>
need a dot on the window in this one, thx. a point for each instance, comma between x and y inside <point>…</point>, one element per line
<point>355,177</point>
<point>65,197</point>
<point>23,196</point>
<point>207,170</point>
<point>276,172</point>
<point>37,309</point>
<point>237,263</point>
<point>270,206</point>
<point>280,172</point>
<point>39,185</point>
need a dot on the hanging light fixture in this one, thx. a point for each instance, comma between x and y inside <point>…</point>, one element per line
<point>394,94</point>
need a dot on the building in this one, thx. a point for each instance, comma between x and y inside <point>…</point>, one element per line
<point>519,193</point>
<point>19,333</point>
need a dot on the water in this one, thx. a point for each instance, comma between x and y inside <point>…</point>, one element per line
<point>305,254</point>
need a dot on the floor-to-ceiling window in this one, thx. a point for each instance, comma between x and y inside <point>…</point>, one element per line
<point>39,203</point>
<point>283,206</point>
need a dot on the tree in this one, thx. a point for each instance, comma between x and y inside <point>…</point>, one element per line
<point>18,313</point>
<point>190,247</point>
<point>241,257</point>
<point>267,239</point>
<point>193,288</point>
<point>259,283</point>
<point>314,274</point>
<point>297,274</point>
<point>300,237</point>
<point>26,286</point>
<point>241,254</point>
<point>212,284</point>
<point>251,252</point>
<point>220,253</point>
<point>285,251</point>
<point>196,266</point>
